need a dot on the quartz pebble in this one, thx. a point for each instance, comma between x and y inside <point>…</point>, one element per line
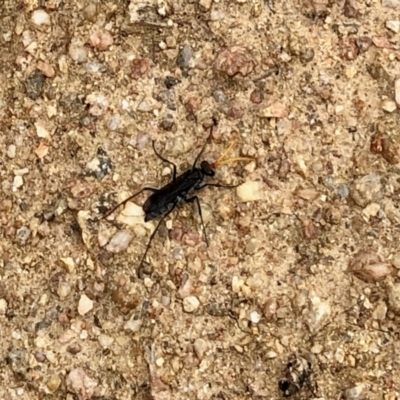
<point>85,305</point>
<point>367,189</point>
<point>318,313</point>
<point>53,383</point>
<point>101,40</point>
<point>200,347</point>
<point>40,17</point>
<point>394,298</point>
<point>369,267</point>
<point>11,151</point>
<point>393,25</point>
<point>105,340</point>
<point>390,3</point>
<point>185,58</point>
<point>255,317</point>
<point>355,393</point>
<point>133,324</point>
<point>120,241</point>
<point>3,306</point>
<point>80,383</point>
<point>389,105</point>
<point>191,303</point>
<point>397,91</point>
<point>18,182</point>
<point>249,191</point>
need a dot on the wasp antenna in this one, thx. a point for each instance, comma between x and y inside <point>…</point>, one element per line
<point>221,160</point>
<point>218,162</point>
<point>231,160</point>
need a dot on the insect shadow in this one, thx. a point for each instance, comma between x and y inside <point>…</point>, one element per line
<point>182,188</point>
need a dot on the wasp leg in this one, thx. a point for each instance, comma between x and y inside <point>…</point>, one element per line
<point>140,269</point>
<point>215,123</point>
<point>196,199</point>
<point>219,185</point>
<point>109,212</point>
<point>165,160</point>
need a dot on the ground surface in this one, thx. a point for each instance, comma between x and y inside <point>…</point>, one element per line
<point>303,263</point>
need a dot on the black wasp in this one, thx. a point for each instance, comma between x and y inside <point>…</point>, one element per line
<point>182,188</point>
<point>297,373</point>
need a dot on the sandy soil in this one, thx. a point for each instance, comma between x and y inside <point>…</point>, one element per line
<point>298,293</point>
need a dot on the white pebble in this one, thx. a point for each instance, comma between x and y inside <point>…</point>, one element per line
<point>394,298</point>
<point>318,314</point>
<point>79,382</point>
<point>40,17</point>
<point>255,317</point>
<point>21,171</point>
<point>389,105</point>
<point>397,91</point>
<point>105,340</point>
<point>11,151</point>
<point>41,131</point>
<point>191,303</point>
<point>18,182</point>
<point>393,25</point>
<point>101,40</point>
<point>85,305</point>
<point>3,306</point>
<point>250,191</point>
<point>120,241</point>
<point>237,283</point>
<point>113,122</point>
<point>133,325</point>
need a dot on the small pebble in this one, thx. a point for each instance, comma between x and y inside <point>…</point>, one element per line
<point>80,383</point>
<point>77,52</point>
<point>318,313</point>
<point>394,298</point>
<point>133,325</point>
<point>3,306</point>
<point>237,283</point>
<point>389,105</point>
<point>206,4</point>
<point>11,151</point>
<point>120,241</point>
<point>113,122</point>
<point>368,266</point>
<point>21,171</point>
<point>367,189</point>
<point>255,317</point>
<point>23,234</point>
<point>101,40</point>
<point>53,383</point>
<point>200,347</point>
<point>18,182</point>
<point>40,17</point>
<point>390,3</point>
<point>397,91</point>
<point>235,60</point>
<point>90,12</point>
<point>339,355</point>
<point>249,191</point>
<point>63,290</point>
<point>47,69</point>
<point>85,305</point>
<point>105,340</point>
<point>191,303</point>
<point>185,58</point>
<point>380,311</point>
<point>355,393</point>
<point>393,25</point>
<point>274,110</point>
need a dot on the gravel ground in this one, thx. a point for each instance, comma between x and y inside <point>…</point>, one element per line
<point>298,293</point>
